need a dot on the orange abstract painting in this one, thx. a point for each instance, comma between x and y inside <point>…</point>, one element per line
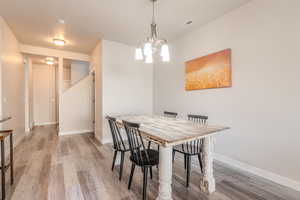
<point>211,71</point>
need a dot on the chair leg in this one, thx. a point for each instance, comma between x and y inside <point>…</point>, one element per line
<point>200,162</point>
<point>145,183</point>
<point>114,160</point>
<point>121,164</point>
<point>131,175</point>
<point>188,171</point>
<point>11,160</point>
<point>184,161</point>
<point>151,175</point>
<point>158,151</point>
<point>173,157</point>
<point>149,144</point>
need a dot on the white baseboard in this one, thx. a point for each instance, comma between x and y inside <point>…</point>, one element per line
<point>45,123</point>
<point>259,172</point>
<point>61,133</point>
<point>106,140</point>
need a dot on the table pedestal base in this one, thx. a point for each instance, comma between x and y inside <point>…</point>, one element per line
<point>207,182</point>
<point>165,173</point>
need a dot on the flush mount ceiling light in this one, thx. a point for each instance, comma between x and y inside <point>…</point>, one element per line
<point>59,42</point>
<point>153,44</point>
<point>50,61</point>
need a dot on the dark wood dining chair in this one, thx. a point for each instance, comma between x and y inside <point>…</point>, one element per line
<point>192,148</point>
<point>166,114</point>
<point>139,155</point>
<point>170,114</point>
<point>119,144</point>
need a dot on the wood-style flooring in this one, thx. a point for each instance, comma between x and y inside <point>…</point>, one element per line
<point>77,167</point>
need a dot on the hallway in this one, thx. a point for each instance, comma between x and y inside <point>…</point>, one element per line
<point>76,167</point>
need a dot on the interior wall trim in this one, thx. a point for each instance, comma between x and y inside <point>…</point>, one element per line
<point>61,133</point>
<point>258,172</point>
<point>106,140</point>
<point>30,49</point>
<point>45,123</point>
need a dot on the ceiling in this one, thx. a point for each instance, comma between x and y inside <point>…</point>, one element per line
<point>36,22</point>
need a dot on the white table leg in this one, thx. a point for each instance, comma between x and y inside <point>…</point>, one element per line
<point>207,182</point>
<point>165,173</point>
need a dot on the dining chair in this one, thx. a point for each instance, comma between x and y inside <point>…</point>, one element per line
<point>139,155</point>
<point>166,114</point>
<point>170,114</point>
<point>192,148</point>
<point>119,144</point>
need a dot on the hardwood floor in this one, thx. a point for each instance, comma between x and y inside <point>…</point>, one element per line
<point>77,167</point>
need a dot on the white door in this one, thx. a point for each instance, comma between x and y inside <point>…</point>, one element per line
<point>44,94</point>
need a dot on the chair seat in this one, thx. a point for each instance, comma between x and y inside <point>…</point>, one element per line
<point>142,160</point>
<point>187,149</point>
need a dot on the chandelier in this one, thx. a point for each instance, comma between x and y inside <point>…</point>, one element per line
<point>153,44</point>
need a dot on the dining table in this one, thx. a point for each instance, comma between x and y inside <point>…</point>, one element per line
<point>3,168</point>
<point>169,132</point>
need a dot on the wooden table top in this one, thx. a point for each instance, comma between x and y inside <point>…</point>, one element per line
<point>5,133</point>
<point>4,118</point>
<point>170,131</point>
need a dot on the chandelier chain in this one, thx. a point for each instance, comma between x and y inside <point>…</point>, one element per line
<point>153,12</point>
<point>153,44</point>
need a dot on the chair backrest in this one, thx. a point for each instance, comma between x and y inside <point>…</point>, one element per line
<point>198,118</point>
<point>194,146</point>
<point>136,143</point>
<point>116,135</point>
<point>170,114</point>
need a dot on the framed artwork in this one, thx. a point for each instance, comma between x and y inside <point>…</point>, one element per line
<point>211,71</point>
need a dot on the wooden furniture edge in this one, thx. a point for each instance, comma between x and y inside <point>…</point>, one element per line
<point>175,142</point>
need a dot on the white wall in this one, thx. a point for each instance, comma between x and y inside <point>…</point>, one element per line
<point>12,82</point>
<point>28,76</point>
<point>127,83</point>
<point>67,73</point>
<point>26,93</point>
<point>30,94</point>
<point>44,94</point>
<point>262,107</point>
<point>96,65</point>
<point>1,52</point>
<point>76,108</point>
<point>66,78</point>
<point>79,70</point>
